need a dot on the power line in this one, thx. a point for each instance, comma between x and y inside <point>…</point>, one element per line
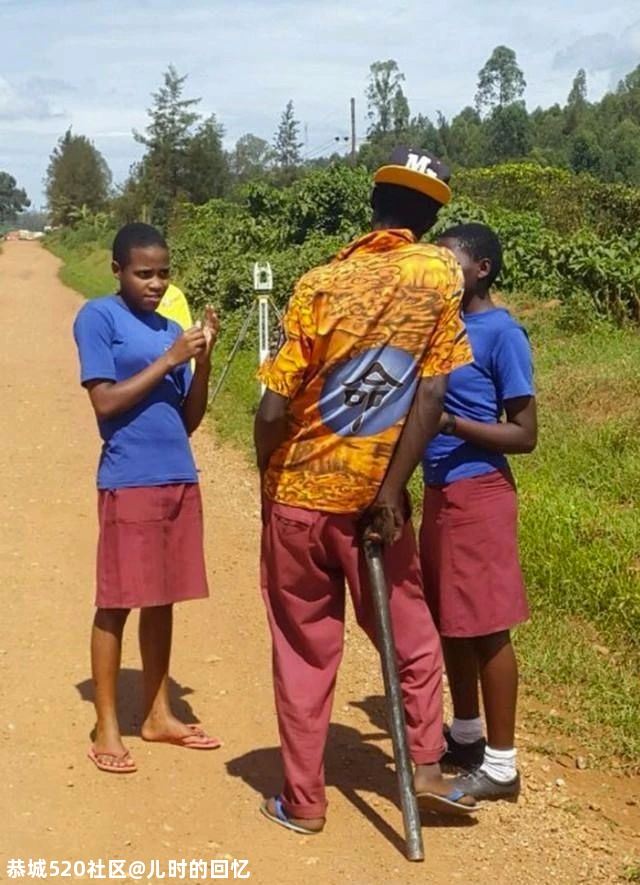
<point>318,149</point>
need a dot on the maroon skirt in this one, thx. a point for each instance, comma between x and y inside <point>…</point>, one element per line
<point>150,548</point>
<point>469,551</point>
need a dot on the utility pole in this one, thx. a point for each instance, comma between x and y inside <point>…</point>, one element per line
<point>353,131</point>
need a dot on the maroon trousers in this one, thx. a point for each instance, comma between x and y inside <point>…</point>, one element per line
<point>306,557</point>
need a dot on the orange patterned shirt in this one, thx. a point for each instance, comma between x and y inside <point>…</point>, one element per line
<point>359,333</point>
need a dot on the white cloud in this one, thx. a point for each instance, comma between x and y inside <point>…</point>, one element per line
<point>247,58</point>
<point>33,99</point>
<point>613,54</point>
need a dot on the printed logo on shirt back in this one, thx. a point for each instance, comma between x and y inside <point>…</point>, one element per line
<point>369,393</point>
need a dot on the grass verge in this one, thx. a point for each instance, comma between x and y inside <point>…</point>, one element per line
<point>86,267</point>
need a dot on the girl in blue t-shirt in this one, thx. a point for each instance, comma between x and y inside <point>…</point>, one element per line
<point>469,548</point>
<point>135,365</point>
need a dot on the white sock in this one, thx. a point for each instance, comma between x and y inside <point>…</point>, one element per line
<point>500,765</point>
<point>466,731</point>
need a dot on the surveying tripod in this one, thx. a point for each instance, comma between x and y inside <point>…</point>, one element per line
<point>262,286</point>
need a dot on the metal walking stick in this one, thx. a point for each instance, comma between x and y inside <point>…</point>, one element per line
<point>410,813</point>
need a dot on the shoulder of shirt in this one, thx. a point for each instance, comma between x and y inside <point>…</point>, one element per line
<point>504,323</point>
<point>308,284</point>
<point>412,252</point>
<point>103,306</point>
<point>313,273</point>
<point>430,250</point>
<point>505,320</point>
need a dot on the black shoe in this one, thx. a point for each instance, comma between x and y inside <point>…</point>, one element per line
<point>467,757</point>
<point>481,786</point>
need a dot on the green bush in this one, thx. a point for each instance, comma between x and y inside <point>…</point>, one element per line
<point>566,201</point>
<point>560,237</point>
<point>215,245</point>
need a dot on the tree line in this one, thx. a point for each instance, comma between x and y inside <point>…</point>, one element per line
<point>601,138</point>
<point>184,159</point>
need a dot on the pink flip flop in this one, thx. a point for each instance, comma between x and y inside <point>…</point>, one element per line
<point>113,768</point>
<point>198,739</point>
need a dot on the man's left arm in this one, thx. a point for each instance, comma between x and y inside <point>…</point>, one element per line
<point>270,427</point>
<point>283,375</point>
<point>384,520</point>
<point>448,349</point>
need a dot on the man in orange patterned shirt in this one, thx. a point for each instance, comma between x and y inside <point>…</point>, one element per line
<point>353,396</point>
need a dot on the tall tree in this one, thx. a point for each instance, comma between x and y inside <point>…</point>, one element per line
<point>508,133</point>
<point>286,144</point>
<point>576,103</point>
<point>77,176</point>
<point>624,152</point>
<point>251,157</point>
<point>166,139</point>
<point>548,132</point>
<point>206,172</point>
<point>578,93</point>
<point>585,153</point>
<point>387,106</point>
<point>400,111</point>
<point>500,82</point>
<point>13,199</point>
<point>466,138</point>
<point>628,94</point>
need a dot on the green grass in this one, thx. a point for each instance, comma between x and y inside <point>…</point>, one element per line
<point>579,537</point>
<point>631,872</point>
<point>236,403</point>
<point>579,526</point>
<point>86,267</point>
<point>587,693</point>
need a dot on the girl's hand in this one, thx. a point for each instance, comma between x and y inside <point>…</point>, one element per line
<point>210,328</point>
<point>190,345</point>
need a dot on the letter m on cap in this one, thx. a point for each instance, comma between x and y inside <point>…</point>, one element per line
<point>420,163</point>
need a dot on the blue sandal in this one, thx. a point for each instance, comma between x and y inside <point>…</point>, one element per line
<point>281,818</point>
<point>449,804</point>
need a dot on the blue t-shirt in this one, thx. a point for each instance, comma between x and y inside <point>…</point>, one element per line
<point>502,369</point>
<point>148,445</point>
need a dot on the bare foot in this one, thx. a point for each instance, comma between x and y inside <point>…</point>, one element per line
<point>309,823</point>
<point>172,731</point>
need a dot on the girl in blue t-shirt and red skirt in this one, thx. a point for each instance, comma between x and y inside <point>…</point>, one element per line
<point>135,365</point>
<point>469,548</point>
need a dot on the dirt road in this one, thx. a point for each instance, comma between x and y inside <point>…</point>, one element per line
<point>570,826</point>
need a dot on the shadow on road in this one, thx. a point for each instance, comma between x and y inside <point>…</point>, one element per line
<point>353,764</point>
<point>130,700</point>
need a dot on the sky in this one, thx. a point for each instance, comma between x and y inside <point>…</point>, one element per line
<point>93,65</point>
